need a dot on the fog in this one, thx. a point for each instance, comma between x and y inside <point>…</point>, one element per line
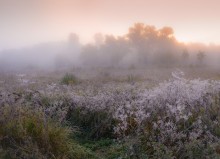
<point>142,46</point>
<point>44,56</point>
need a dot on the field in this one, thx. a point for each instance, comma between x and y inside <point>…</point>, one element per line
<point>109,79</point>
<point>110,113</point>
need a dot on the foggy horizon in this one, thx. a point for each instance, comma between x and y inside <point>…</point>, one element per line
<point>91,40</point>
<point>142,46</point>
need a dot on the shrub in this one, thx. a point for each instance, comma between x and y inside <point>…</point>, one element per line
<point>69,79</point>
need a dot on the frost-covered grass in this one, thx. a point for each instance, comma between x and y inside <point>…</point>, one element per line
<point>144,117</point>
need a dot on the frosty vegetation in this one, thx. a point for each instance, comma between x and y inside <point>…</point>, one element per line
<point>178,118</point>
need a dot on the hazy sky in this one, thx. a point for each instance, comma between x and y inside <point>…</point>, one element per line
<point>27,22</point>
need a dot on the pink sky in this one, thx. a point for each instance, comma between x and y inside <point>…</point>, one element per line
<point>27,22</point>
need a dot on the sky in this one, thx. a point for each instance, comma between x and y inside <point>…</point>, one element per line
<point>29,22</point>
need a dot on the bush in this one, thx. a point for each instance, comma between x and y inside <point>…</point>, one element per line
<point>93,124</point>
<point>69,79</point>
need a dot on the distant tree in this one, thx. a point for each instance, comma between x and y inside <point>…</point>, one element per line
<point>201,57</point>
<point>90,56</point>
<point>166,32</point>
<point>146,44</point>
<point>136,32</point>
<point>142,38</point>
<point>73,38</point>
<point>99,39</point>
<point>185,56</point>
<point>141,33</point>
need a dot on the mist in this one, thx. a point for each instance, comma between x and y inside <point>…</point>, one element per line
<point>44,56</point>
<point>142,46</point>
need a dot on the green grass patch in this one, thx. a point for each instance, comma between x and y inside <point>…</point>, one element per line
<point>29,134</point>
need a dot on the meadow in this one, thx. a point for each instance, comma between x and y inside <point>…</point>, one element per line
<point>110,113</point>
